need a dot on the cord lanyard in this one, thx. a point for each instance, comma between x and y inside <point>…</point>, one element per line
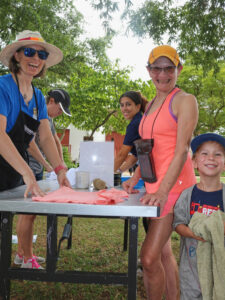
<point>17,81</point>
<point>147,111</point>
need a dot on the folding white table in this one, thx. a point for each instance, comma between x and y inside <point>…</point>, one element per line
<point>12,202</point>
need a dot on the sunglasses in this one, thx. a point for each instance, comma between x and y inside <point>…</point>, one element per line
<point>30,52</point>
<point>157,70</point>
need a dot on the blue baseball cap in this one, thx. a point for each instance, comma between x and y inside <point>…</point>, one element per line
<point>206,137</point>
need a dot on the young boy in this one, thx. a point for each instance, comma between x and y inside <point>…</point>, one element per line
<point>205,197</point>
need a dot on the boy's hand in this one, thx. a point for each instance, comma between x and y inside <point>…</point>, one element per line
<point>198,238</point>
<point>185,231</point>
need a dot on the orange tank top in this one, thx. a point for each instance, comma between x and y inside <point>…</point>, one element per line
<point>165,136</point>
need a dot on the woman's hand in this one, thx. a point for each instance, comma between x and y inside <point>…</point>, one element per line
<point>32,186</point>
<point>129,184</point>
<point>62,179</point>
<point>156,199</point>
<point>48,168</point>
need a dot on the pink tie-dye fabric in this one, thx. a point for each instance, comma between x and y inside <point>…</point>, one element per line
<point>67,195</point>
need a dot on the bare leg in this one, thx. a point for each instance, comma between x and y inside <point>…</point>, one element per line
<point>152,252</point>
<point>171,272</point>
<point>24,229</point>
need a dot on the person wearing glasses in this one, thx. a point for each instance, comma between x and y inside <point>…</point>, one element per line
<point>132,105</point>
<point>22,112</point>
<point>168,122</point>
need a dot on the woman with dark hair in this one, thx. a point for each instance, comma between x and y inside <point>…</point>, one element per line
<point>22,112</point>
<point>132,105</point>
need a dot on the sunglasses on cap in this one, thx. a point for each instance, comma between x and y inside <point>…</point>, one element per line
<point>30,52</point>
<point>157,70</point>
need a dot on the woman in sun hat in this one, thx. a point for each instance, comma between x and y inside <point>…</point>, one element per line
<point>22,112</point>
<point>169,121</point>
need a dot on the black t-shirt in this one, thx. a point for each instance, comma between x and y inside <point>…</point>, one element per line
<point>132,132</point>
<point>206,202</point>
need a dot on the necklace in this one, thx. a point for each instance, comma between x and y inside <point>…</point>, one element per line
<point>27,93</point>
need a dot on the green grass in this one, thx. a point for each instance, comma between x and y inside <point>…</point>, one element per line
<point>222,179</point>
<point>97,245</point>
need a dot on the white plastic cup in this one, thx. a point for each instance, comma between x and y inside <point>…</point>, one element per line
<point>82,180</point>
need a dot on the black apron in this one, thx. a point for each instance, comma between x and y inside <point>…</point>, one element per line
<point>21,134</point>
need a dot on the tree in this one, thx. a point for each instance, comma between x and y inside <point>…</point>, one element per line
<point>197,26</point>
<point>209,91</point>
<point>60,24</point>
<point>45,16</point>
<point>96,98</point>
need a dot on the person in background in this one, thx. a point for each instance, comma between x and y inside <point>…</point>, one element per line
<point>204,197</point>
<point>132,105</point>
<point>58,102</point>
<point>23,111</point>
<point>169,121</point>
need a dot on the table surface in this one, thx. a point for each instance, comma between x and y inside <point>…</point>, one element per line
<point>13,201</point>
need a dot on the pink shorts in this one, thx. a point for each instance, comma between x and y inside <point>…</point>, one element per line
<point>168,208</point>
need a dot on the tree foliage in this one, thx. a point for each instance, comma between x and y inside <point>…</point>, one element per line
<point>197,26</point>
<point>95,84</point>
<point>60,24</point>
<point>96,98</point>
<point>209,91</point>
<point>58,21</point>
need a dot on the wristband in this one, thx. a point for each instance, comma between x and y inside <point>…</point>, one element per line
<point>59,168</point>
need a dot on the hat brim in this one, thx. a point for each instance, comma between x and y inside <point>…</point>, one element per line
<point>55,54</point>
<point>174,60</point>
<point>198,140</point>
<point>65,110</point>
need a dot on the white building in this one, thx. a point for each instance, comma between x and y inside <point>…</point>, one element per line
<point>76,136</point>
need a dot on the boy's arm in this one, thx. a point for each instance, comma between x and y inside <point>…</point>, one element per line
<point>36,153</point>
<point>59,146</point>
<point>185,231</point>
<point>181,210</point>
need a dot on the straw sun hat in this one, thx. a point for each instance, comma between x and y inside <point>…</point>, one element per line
<point>26,38</point>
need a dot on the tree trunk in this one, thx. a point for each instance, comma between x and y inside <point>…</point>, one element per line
<point>88,138</point>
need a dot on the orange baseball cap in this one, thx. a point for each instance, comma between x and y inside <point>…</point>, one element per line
<point>164,50</point>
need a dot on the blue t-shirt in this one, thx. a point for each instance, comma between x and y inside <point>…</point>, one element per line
<point>132,132</point>
<point>10,102</point>
<point>206,202</point>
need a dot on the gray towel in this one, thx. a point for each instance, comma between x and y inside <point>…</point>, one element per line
<point>210,254</point>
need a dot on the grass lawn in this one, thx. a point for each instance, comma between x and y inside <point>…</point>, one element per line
<point>221,178</point>
<point>97,245</point>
